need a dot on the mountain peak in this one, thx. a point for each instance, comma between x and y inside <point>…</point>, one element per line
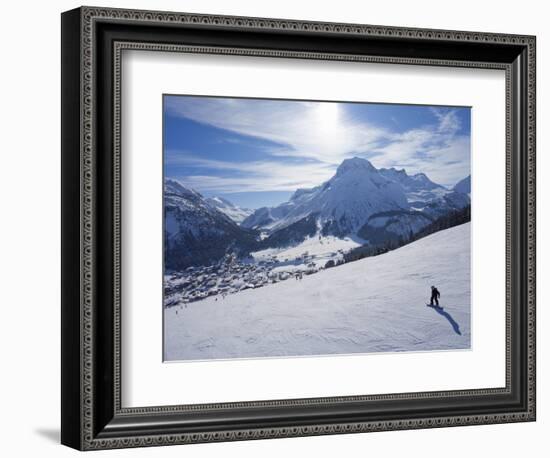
<point>300,192</point>
<point>396,170</point>
<point>393,172</point>
<point>221,200</point>
<point>420,177</point>
<point>353,164</point>
<point>417,182</point>
<point>234,212</point>
<point>172,186</point>
<point>464,186</point>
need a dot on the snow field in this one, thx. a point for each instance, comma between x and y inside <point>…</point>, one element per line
<point>375,304</point>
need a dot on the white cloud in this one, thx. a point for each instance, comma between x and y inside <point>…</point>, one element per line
<point>436,150</point>
<point>448,120</point>
<point>322,135</point>
<point>250,176</point>
<point>321,131</point>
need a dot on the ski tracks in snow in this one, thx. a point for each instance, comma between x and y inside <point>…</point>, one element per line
<point>376,304</point>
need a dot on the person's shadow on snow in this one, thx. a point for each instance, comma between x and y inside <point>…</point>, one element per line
<point>450,319</point>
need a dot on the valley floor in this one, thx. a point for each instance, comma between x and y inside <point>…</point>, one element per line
<point>376,304</point>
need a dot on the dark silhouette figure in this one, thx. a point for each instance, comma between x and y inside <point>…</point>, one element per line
<point>435,296</point>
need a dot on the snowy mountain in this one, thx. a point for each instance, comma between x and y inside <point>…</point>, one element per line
<point>359,203</point>
<point>196,232</point>
<point>234,212</point>
<point>265,216</point>
<point>328,312</point>
<point>341,205</point>
<point>376,204</point>
<point>426,196</point>
<point>464,186</point>
<point>410,183</point>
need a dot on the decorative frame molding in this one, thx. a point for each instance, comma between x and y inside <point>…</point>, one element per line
<point>94,404</point>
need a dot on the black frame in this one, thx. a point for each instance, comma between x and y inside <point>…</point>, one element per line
<point>92,42</point>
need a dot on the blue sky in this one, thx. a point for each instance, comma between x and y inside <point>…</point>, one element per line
<point>257,152</point>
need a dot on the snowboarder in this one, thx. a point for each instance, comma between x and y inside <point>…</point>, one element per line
<point>435,297</point>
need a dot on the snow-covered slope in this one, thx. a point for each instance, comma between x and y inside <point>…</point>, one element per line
<point>410,183</point>
<point>464,185</point>
<point>376,204</point>
<point>379,207</point>
<point>234,212</point>
<point>195,232</point>
<point>317,250</point>
<point>265,217</point>
<point>342,204</point>
<point>393,225</point>
<point>426,196</point>
<point>377,304</point>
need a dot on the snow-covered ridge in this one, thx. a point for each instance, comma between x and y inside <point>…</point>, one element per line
<point>464,185</point>
<point>359,202</point>
<point>355,195</point>
<point>346,201</point>
<point>234,212</point>
<point>410,183</point>
<point>196,232</point>
<point>376,304</point>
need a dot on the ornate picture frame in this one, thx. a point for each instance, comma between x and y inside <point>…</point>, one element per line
<point>93,416</point>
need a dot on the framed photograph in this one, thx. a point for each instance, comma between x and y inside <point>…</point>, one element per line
<point>276,228</point>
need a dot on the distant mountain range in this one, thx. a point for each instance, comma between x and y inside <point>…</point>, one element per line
<point>376,205</point>
<point>360,199</point>
<point>234,212</point>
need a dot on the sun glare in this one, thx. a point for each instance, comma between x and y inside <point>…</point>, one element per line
<point>328,131</point>
<point>327,114</point>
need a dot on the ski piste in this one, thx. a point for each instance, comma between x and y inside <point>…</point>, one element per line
<point>366,306</point>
